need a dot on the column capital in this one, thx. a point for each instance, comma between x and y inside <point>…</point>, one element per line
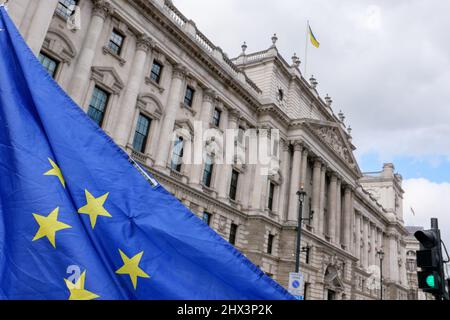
<point>284,145</point>
<point>179,71</point>
<point>209,95</point>
<point>298,145</point>
<point>305,151</point>
<point>234,115</point>
<point>144,43</point>
<point>348,187</point>
<point>334,176</point>
<point>102,8</point>
<point>318,162</point>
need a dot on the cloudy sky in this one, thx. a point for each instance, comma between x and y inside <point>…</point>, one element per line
<point>385,63</point>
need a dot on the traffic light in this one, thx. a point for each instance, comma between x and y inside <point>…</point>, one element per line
<point>429,260</point>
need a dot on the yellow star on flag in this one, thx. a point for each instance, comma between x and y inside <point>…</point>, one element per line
<point>77,291</point>
<point>95,207</point>
<point>56,171</point>
<point>131,267</point>
<point>48,226</point>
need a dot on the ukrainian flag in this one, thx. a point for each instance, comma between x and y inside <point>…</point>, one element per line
<point>313,39</point>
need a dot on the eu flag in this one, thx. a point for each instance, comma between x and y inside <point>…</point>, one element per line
<point>79,221</point>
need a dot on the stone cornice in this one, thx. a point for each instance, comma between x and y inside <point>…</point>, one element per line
<point>275,111</point>
<point>153,12</point>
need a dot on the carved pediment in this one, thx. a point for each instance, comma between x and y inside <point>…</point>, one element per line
<point>332,278</point>
<point>59,45</point>
<point>335,139</point>
<point>108,77</point>
<point>150,104</point>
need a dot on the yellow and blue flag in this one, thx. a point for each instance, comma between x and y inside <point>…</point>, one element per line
<point>313,39</point>
<point>78,221</point>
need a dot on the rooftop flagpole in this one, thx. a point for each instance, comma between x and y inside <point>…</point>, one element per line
<point>306,48</point>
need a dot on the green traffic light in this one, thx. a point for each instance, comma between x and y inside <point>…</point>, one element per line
<point>430,281</point>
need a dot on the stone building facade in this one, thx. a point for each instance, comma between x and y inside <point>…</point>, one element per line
<point>141,70</point>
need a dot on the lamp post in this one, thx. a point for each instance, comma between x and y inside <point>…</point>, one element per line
<point>380,254</point>
<point>301,198</point>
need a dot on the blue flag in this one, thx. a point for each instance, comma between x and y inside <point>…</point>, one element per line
<point>79,221</point>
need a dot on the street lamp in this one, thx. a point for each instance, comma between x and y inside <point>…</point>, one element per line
<point>301,198</point>
<point>380,254</point>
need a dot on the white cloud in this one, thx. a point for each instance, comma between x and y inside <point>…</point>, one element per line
<point>429,200</point>
<point>385,66</point>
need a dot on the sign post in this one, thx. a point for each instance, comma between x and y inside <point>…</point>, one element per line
<point>296,285</point>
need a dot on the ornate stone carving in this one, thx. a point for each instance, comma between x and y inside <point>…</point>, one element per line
<point>179,71</point>
<point>331,137</point>
<point>222,223</point>
<point>234,115</point>
<point>209,95</point>
<point>298,146</point>
<point>143,43</point>
<point>102,8</point>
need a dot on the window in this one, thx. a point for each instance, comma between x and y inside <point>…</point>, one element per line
<point>155,75</point>
<point>241,135</point>
<point>141,134</point>
<point>331,295</point>
<point>216,117</point>
<point>51,65</point>
<point>66,8</point>
<point>270,243</point>
<point>206,218</point>
<point>280,94</point>
<point>233,232</point>
<point>307,254</point>
<point>271,193</point>
<point>116,42</point>
<point>233,185</point>
<point>177,154</point>
<point>207,172</point>
<point>189,97</point>
<point>306,291</point>
<point>97,106</point>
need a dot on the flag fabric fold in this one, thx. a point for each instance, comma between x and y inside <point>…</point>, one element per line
<point>79,221</point>
<point>313,39</point>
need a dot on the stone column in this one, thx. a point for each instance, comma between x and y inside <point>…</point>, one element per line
<point>168,121</point>
<point>322,204</point>
<point>39,24</point>
<point>82,70</point>
<point>332,192</point>
<point>338,211</point>
<point>347,229</point>
<point>304,167</point>
<point>374,244</point>
<point>392,256</point>
<point>285,157</point>
<point>128,104</point>
<point>380,239</point>
<point>366,241</point>
<point>315,203</point>
<point>205,117</point>
<point>358,238</point>
<point>226,169</point>
<point>295,181</point>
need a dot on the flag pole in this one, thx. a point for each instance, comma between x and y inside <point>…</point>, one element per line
<point>306,48</point>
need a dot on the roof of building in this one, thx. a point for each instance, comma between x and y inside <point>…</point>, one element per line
<point>412,229</point>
